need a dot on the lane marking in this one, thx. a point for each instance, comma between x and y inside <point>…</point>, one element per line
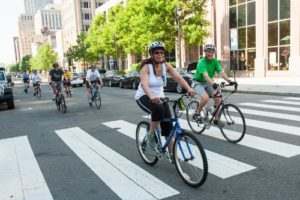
<point>125,178</point>
<point>282,102</point>
<point>20,174</point>
<point>293,98</point>
<point>276,107</point>
<point>218,165</point>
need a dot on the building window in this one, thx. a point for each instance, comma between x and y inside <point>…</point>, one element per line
<point>86,16</point>
<point>278,35</point>
<point>85,28</point>
<point>98,4</point>
<point>85,4</point>
<point>242,18</point>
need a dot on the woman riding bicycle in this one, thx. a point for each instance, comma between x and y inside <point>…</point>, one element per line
<point>36,80</point>
<point>67,80</point>
<point>150,91</point>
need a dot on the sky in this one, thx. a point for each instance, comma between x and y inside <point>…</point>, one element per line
<point>9,13</point>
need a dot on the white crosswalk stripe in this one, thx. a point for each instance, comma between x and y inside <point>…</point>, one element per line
<point>271,114</point>
<point>20,174</point>
<point>125,178</point>
<point>293,98</point>
<point>219,165</point>
<point>276,107</point>
<point>282,102</point>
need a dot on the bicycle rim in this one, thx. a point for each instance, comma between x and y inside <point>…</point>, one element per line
<point>97,99</point>
<point>195,125</point>
<point>234,128</point>
<point>190,160</point>
<point>148,155</point>
<point>63,104</point>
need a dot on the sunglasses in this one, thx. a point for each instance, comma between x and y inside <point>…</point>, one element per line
<point>159,52</point>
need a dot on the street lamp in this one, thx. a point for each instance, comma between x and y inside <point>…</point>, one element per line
<point>178,13</point>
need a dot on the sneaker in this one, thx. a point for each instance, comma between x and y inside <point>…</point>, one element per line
<point>33,94</point>
<point>198,118</point>
<point>151,140</point>
<point>90,102</point>
<point>53,98</point>
<point>172,158</point>
<point>218,123</point>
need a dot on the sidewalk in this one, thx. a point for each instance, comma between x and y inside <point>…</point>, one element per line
<point>283,86</point>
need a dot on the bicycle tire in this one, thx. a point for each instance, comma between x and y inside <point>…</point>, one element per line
<point>97,99</point>
<point>57,102</point>
<point>63,104</point>
<point>38,93</point>
<point>190,159</point>
<point>148,155</point>
<point>234,128</point>
<point>195,125</point>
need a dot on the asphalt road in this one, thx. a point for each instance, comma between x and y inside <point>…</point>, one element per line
<point>265,165</point>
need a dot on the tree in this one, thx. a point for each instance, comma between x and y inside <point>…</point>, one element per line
<point>44,58</point>
<point>25,64</point>
<point>14,67</point>
<point>71,55</point>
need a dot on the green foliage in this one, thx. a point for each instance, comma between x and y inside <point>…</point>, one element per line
<point>135,66</point>
<point>120,72</point>
<point>14,67</point>
<point>132,28</point>
<point>25,64</point>
<point>173,64</point>
<point>44,58</point>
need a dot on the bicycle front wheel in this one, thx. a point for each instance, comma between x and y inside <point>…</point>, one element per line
<point>232,123</point>
<point>147,154</point>
<point>195,124</point>
<point>63,104</point>
<point>97,99</point>
<point>190,160</point>
<point>38,93</point>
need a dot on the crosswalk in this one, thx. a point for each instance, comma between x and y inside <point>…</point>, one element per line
<point>22,178</point>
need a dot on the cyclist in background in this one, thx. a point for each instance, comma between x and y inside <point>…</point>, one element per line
<point>67,79</point>
<point>55,76</point>
<point>203,79</point>
<point>36,79</point>
<point>92,76</point>
<point>26,79</point>
<point>150,91</point>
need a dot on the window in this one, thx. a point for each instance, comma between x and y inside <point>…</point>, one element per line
<point>85,4</point>
<point>278,35</point>
<point>86,16</point>
<point>242,17</point>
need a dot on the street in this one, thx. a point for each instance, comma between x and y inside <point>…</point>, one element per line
<point>89,154</point>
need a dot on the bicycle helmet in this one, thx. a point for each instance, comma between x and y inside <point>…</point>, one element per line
<point>156,45</point>
<point>208,47</point>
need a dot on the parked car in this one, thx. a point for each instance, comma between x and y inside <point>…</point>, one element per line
<point>130,80</point>
<point>173,86</point>
<point>6,92</point>
<point>111,78</point>
<point>77,80</point>
<point>83,76</point>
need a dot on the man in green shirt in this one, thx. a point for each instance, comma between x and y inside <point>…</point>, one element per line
<point>203,78</point>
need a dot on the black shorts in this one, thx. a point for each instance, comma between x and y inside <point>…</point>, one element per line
<point>35,84</point>
<point>158,113</point>
<point>25,80</point>
<point>67,82</point>
<point>88,85</point>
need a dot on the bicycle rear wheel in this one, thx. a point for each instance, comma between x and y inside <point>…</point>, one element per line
<point>195,124</point>
<point>190,160</point>
<point>147,154</point>
<point>97,99</point>
<point>57,102</point>
<point>63,106</point>
<point>232,123</point>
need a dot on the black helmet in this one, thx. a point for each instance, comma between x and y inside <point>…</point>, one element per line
<point>156,45</point>
<point>208,47</point>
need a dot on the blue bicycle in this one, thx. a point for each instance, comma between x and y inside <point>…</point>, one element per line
<point>189,155</point>
<point>96,97</point>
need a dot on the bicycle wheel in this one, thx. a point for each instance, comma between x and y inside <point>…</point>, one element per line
<point>232,123</point>
<point>38,93</point>
<point>190,159</point>
<point>63,104</point>
<point>58,102</point>
<point>196,125</point>
<point>97,99</point>
<point>147,154</point>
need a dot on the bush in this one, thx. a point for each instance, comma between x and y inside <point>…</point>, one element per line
<point>135,66</point>
<point>120,72</point>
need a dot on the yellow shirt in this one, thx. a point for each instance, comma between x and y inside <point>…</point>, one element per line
<point>68,75</point>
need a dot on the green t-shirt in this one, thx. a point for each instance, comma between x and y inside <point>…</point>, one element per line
<point>206,66</point>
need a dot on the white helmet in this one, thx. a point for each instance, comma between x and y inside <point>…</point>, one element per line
<point>156,45</point>
<point>208,47</point>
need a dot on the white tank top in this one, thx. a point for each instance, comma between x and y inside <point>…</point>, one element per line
<point>156,83</point>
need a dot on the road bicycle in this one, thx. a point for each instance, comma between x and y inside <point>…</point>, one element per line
<point>67,85</point>
<point>96,97</point>
<point>37,90</point>
<point>26,86</point>
<point>60,99</point>
<point>189,155</point>
<point>231,120</point>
